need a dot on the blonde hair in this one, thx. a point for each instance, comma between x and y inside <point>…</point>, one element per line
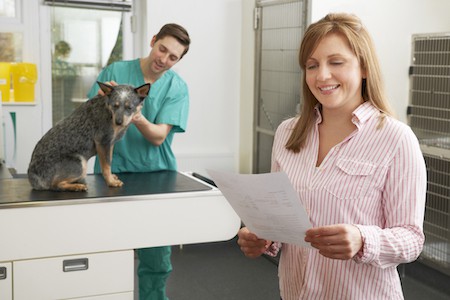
<point>359,40</point>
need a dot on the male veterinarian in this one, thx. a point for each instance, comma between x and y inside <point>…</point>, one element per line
<point>147,145</point>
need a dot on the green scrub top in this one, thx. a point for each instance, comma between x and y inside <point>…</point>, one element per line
<point>167,103</point>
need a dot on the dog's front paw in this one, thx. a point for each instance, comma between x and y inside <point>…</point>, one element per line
<point>114,181</point>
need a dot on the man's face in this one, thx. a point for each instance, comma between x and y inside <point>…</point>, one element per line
<point>165,53</point>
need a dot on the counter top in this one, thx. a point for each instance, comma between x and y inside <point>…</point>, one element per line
<point>18,192</point>
<point>150,210</point>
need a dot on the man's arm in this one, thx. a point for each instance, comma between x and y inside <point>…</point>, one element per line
<point>154,133</point>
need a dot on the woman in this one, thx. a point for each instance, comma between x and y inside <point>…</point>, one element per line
<point>359,173</point>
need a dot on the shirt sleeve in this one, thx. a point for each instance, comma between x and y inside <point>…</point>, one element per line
<point>401,240</point>
<point>278,142</point>
<point>175,110</point>
<point>273,249</point>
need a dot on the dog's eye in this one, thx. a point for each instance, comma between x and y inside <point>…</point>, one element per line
<point>116,105</point>
<point>128,107</point>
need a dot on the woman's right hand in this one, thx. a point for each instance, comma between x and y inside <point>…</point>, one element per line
<point>250,244</point>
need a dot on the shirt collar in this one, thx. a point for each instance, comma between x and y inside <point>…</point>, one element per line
<point>364,112</point>
<point>360,115</point>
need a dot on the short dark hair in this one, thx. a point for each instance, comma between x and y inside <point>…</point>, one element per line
<point>176,31</point>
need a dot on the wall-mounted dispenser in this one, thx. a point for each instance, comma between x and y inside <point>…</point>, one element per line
<point>17,81</point>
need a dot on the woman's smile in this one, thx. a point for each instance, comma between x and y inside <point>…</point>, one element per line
<point>328,89</point>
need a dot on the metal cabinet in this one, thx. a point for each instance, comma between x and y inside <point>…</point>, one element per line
<point>5,281</point>
<point>79,276</point>
<point>429,117</point>
<point>279,26</point>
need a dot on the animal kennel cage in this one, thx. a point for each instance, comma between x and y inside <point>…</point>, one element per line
<point>279,26</point>
<point>429,117</point>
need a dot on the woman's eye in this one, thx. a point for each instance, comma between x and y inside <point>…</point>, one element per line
<point>311,67</point>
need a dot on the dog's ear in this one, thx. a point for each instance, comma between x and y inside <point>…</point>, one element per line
<point>106,88</point>
<point>143,90</point>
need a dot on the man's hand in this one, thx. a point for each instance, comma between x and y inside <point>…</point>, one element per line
<point>112,83</point>
<point>137,117</point>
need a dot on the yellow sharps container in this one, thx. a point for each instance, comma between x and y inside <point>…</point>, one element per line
<point>24,77</point>
<point>5,80</point>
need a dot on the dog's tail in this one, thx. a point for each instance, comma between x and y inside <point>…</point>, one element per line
<point>36,181</point>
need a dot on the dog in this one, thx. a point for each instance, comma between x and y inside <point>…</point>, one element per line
<point>59,160</point>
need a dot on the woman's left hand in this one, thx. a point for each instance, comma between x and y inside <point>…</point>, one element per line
<point>341,241</point>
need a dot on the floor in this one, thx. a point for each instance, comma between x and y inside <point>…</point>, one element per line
<point>219,271</point>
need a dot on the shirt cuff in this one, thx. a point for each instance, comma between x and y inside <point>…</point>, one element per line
<point>371,244</point>
<point>273,249</point>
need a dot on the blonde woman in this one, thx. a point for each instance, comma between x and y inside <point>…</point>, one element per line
<point>359,173</point>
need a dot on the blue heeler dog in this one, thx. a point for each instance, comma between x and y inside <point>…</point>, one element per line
<point>59,160</point>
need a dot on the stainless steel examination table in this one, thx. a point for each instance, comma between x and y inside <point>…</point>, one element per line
<point>63,245</point>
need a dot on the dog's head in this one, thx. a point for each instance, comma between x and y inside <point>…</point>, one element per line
<point>124,101</point>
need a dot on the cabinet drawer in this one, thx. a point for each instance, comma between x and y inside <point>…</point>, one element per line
<point>74,276</point>
<point>6,281</point>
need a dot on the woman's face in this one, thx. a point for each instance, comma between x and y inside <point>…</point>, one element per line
<point>334,75</point>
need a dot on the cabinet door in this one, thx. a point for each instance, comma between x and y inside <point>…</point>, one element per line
<point>6,281</point>
<point>74,276</point>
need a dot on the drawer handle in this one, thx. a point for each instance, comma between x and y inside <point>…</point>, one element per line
<point>2,273</point>
<point>79,264</point>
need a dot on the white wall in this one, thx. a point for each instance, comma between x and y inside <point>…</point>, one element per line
<point>211,69</point>
<point>219,67</point>
<point>391,24</point>
<point>247,103</point>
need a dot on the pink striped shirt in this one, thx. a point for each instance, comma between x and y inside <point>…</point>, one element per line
<point>374,179</point>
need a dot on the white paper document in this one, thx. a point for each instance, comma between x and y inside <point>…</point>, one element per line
<point>267,204</point>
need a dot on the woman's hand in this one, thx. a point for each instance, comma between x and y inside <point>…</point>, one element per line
<point>250,244</point>
<point>342,241</point>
